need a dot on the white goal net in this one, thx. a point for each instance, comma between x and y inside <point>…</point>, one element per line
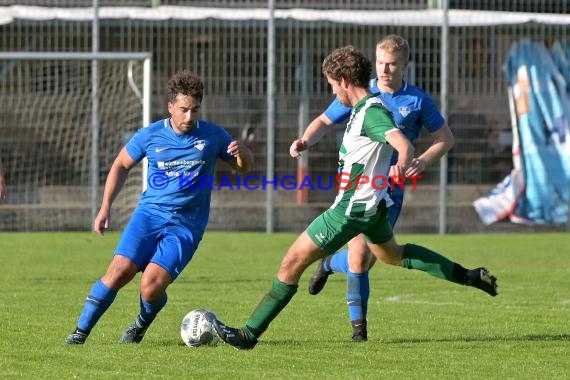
<point>58,140</point>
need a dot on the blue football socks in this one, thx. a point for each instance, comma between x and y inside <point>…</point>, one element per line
<point>98,301</point>
<point>149,311</point>
<point>338,262</point>
<point>357,294</point>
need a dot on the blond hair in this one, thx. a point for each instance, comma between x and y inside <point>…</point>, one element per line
<point>395,44</point>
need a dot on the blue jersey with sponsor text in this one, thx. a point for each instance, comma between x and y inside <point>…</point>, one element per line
<point>410,106</point>
<point>177,167</point>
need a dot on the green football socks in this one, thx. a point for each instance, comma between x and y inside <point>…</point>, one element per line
<point>424,259</point>
<point>269,307</point>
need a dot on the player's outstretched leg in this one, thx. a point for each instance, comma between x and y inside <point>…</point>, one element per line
<point>97,302</point>
<point>136,330</point>
<point>424,259</point>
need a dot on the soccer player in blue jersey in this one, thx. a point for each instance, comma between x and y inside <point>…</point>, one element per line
<point>412,110</point>
<point>169,221</point>
<point>369,140</point>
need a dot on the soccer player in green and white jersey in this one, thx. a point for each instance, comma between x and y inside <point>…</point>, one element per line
<point>412,110</point>
<point>368,143</point>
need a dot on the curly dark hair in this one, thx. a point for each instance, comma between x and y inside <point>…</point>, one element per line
<point>185,82</point>
<point>350,64</point>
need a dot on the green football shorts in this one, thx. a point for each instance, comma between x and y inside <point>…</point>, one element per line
<point>331,230</point>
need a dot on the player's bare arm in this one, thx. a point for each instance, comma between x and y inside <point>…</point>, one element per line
<point>405,151</point>
<point>115,181</point>
<point>314,132</point>
<point>243,157</point>
<point>443,141</point>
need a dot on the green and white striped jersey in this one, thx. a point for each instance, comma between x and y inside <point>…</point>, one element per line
<point>364,159</point>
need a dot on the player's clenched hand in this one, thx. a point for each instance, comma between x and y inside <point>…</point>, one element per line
<point>235,148</point>
<point>101,223</point>
<point>297,147</point>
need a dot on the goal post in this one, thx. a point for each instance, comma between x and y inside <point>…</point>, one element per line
<point>55,153</point>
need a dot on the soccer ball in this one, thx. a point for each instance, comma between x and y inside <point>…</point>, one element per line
<point>197,330</point>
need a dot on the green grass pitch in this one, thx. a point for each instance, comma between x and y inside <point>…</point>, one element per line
<point>420,327</point>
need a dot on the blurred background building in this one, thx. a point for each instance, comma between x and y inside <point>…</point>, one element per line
<point>45,106</point>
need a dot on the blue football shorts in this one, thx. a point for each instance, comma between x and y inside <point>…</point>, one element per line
<point>150,238</point>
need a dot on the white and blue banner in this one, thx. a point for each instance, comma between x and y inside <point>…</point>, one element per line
<point>538,189</point>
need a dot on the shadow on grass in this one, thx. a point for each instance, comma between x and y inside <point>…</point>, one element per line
<point>539,337</point>
<point>288,343</point>
<point>299,342</point>
<point>212,279</point>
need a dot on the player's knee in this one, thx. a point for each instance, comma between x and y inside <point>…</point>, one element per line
<point>120,272</point>
<point>152,288</point>
<point>358,263</point>
<point>290,263</point>
<point>359,258</point>
<point>358,244</point>
<point>154,282</point>
<point>293,265</point>
<point>150,294</point>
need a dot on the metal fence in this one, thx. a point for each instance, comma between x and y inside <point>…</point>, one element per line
<point>231,56</point>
